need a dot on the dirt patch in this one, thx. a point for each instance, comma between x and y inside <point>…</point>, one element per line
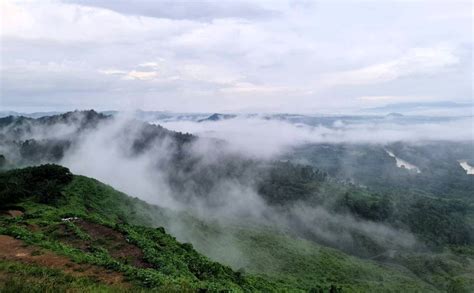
<point>67,236</point>
<point>11,213</point>
<point>33,227</point>
<point>15,250</point>
<point>115,242</point>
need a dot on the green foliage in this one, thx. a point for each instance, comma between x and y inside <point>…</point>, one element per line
<point>304,265</point>
<point>16,277</point>
<point>439,221</point>
<point>370,165</point>
<point>436,221</point>
<point>270,261</point>
<point>286,182</point>
<point>46,150</point>
<point>44,183</point>
<point>368,206</point>
<point>174,266</point>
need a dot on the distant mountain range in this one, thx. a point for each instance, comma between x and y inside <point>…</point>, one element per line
<point>394,116</point>
<point>390,110</point>
<point>29,115</point>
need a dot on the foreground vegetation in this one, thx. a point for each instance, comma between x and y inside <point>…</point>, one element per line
<point>78,225</point>
<point>92,224</point>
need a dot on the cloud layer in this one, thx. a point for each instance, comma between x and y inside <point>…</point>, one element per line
<point>264,138</point>
<point>213,56</point>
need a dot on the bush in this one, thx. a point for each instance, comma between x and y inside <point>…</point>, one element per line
<point>43,183</point>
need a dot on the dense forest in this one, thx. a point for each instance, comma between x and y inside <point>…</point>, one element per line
<point>348,205</point>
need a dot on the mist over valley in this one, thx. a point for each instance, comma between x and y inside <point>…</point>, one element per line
<point>236,146</point>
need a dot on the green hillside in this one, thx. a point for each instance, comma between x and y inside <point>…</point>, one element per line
<point>85,222</point>
<point>96,228</point>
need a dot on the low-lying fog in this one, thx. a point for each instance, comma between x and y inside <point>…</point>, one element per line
<point>468,168</point>
<point>402,163</point>
<point>105,154</point>
<point>266,138</point>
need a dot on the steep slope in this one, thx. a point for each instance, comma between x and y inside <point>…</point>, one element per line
<point>89,223</point>
<point>76,225</point>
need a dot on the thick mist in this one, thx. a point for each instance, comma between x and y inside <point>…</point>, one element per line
<point>105,154</point>
<point>214,178</point>
<point>265,138</point>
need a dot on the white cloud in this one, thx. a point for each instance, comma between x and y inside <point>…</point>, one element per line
<point>253,89</point>
<point>378,98</point>
<point>263,138</point>
<point>55,21</point>
<point>112,71</point>
<point>374,100</point>
<point>307,58</point>
<point>141,75</point>
<point>415,62</point>
<point>153,65</point>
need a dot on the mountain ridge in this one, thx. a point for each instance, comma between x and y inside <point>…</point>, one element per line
<point>66,225</point>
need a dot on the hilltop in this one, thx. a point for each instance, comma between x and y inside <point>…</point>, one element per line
<point>101,238</point>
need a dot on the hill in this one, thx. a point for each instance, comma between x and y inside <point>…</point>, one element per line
<point>342,216</point>
<point>100,238</point>
<point>218,117</point>
<point>79,221</point>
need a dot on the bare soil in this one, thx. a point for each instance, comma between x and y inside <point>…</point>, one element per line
<point>11,213</point>
<point>15,250</point>
<point>115,242</point>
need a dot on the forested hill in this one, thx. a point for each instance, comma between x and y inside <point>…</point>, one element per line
<point>61,232</point>
<point>73,123</point>
<point>20,127</point>
<point>436,209</point>
<point>313,219</point>
<point>25,141</point>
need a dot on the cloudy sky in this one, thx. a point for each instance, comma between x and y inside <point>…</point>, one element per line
<point>216,56</point>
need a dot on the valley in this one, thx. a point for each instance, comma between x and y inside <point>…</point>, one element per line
<point>319,217</point>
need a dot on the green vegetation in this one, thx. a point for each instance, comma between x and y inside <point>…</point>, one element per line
<point>44,184</point>
<point>436,220</point>
<point>91,223</point>
<point>301,264</point>
<point>288,182</point>
<point>165,263</point>
<point>16,277</point>
<point>370,166</point>
<point>336,202</point>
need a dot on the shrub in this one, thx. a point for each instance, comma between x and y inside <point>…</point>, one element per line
<point>43,183</point>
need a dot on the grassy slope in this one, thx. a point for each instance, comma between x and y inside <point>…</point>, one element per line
<point>17,277</point>
<point>301,263</point>
<point>296,262</point>
<point>283,262</point>
<point>171,266</point>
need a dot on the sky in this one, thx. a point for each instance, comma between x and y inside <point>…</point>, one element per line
<point>234,56</point>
